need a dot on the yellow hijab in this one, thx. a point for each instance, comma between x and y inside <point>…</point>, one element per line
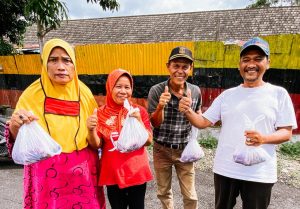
<point>62,128</point>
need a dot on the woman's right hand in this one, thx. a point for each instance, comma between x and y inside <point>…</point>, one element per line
<point>93,139</point>
<point>92,121</point>
<point>19,118</point>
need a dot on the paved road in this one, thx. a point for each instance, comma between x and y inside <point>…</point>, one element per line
<point>284,197</point>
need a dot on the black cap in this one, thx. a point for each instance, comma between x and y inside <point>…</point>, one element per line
<point>181,52</point>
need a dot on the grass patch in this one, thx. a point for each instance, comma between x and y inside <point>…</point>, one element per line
<point>291,149</point>
<point>208,141</point>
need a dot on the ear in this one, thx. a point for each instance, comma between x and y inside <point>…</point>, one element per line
<point>168,67</point>
<point>268,64</point>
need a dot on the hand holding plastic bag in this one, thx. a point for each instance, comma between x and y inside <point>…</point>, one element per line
<point>33,144</point>
<point>192,152</point>
<point>249,155</point>
<point>133,135</point>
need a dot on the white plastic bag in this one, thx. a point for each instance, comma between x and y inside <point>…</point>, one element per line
<point>192,152</point>
<point>249,155</point>
<point>133,135</point>
<point>33,144</point>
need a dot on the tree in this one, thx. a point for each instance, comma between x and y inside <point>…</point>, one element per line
<point>106,4</point>
<point>48,14</point>
<point>16,15</point>
<point>6,48</point>
<point>270,3</point>
<point>13,24</point>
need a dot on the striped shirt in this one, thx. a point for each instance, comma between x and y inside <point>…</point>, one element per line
<point>175,128</point>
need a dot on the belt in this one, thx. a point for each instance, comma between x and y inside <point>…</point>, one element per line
<point>179,146</point>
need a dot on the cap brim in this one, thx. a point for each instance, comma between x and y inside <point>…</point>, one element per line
<point>254,46</point>
<point>181,56</point>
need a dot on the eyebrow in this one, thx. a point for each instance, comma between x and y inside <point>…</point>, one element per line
<point>63,57</point>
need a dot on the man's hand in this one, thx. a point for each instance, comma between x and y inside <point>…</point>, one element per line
<point>185,102</point>
<point>253,138</point>
<point>164,97</point>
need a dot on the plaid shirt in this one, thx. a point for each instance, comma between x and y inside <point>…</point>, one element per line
<point>175,128</point>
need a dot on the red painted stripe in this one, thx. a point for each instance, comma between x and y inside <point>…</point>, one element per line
<point>209,94</point>
<point>10,97</point>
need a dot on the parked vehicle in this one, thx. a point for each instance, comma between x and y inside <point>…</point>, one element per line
<point>3,148</point>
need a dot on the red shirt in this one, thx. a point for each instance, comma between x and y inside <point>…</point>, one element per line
<point>125,169</point>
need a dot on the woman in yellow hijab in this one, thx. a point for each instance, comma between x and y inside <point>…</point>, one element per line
<point>60,103</point>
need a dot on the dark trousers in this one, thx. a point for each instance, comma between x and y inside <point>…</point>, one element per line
<point>132,197</point>
<point>254,195</point>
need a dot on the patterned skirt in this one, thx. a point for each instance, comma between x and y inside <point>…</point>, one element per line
<point>68,180</point>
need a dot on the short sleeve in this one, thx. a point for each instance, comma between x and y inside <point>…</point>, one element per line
<point>286,113</point>
<point>145,118</point>
<point>153,99</point>
<point>213,113</point>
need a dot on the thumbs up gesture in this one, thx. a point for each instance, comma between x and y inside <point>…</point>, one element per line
<point>165,97</point>
<point>92,121</point>
<point>185,102</point>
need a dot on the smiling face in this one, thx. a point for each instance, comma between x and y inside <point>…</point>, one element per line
<point>253,65</point>
<point>60,67</point>
<point>122,90</point>
<point>179,70</point>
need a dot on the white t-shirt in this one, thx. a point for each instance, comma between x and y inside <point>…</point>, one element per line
<point>266,107</point>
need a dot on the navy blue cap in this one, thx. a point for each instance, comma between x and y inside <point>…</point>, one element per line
<point>257,42</point>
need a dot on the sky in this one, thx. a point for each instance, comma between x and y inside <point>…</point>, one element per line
<point>83,10</point>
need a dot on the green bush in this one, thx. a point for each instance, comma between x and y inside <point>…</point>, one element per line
<point>290,148</point>
<point>6,48</point>
<point>208,142</point>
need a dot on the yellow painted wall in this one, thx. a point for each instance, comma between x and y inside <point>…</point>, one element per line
<point>8,65</point>
<point>285,53</point>
<point>151,58</point>
<point>21,64</point>
<point>139,59</point>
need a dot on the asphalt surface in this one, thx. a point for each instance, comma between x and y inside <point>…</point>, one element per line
<point>11,189</point>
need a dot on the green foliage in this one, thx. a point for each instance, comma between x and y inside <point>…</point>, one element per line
<point>291,149</point>
<point>209,141</point>
<point>107,4</point>
<point>6,48</point>
<point>270,3</point>
<point>12,21</point>
<point>47,14</point>
<point>260,3</point>
<point>16,15</point>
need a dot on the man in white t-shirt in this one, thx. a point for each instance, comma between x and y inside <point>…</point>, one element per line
<point>255,115</point>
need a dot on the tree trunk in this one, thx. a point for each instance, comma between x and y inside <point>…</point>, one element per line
<point>40,35</point>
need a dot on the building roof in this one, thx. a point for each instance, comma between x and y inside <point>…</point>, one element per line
<point>219,25</point>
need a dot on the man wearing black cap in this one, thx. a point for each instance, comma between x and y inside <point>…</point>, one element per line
<point>171,129</point>
<point>255,116</point>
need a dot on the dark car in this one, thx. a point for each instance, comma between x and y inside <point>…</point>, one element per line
<point>3,148</point>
